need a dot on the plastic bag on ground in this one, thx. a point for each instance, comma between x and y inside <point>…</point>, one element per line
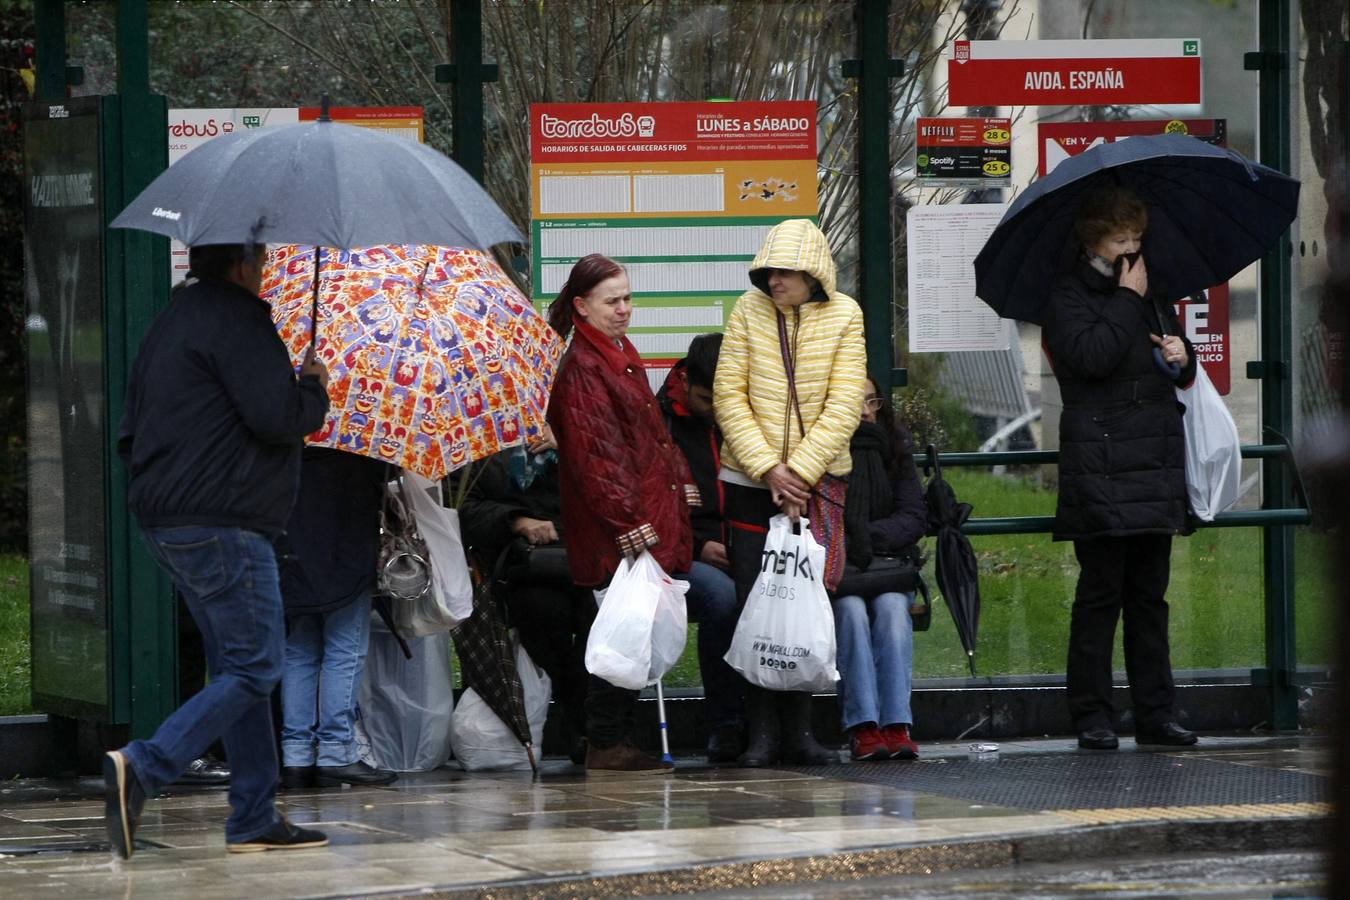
<point>1213,450</point>
<point>450,601</point>
<point>784,640</point>
<point>482,742</point>
<point>406,704</point>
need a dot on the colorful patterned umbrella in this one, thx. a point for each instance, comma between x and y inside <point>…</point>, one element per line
<point>435,358</point>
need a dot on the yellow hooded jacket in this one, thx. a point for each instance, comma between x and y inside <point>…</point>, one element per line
<point>750,391</point>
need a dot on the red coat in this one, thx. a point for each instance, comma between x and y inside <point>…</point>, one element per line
<point>623,482</point>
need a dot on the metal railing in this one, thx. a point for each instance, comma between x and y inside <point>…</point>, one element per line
<point>1300,515</point>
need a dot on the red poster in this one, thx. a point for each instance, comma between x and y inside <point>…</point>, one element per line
<point>1069,73</point>
<point>596,132</point>
<point>1204,317</point>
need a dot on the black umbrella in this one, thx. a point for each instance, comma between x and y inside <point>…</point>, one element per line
<point>487,662</point>
<point>958,574</point>
<point>1211,213</point>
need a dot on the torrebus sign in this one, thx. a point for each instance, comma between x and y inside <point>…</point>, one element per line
<point>681,193</point>
<point>1068,73</point>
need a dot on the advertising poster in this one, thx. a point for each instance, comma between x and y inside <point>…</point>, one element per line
<point>67,468</point>
<point>1204,316</point>
<point>1124,72</point>
<point>944,313</point>
<point>963,152</point>
<point>190,128</point>
<point>681,193</point>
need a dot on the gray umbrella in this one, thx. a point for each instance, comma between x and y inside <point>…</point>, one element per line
<point>318,183</point>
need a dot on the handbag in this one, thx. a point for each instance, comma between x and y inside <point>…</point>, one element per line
<point>404,572</point>
<point>528,563</point>
<point>899,574</point>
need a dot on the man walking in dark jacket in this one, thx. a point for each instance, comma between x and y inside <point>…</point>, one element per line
<point>686,404</point>
<point>211,435</point>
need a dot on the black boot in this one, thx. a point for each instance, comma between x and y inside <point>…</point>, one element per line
<point>762,731</point>
<point>799,744</point>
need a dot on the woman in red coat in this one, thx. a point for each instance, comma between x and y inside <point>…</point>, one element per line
<point>625,486</point>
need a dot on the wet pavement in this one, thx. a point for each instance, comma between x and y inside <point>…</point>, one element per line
<point>1029,804</point>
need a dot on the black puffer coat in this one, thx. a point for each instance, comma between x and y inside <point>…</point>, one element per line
<point>1121,441</point>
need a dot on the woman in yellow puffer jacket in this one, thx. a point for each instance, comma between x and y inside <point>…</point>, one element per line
<point>787,395</point>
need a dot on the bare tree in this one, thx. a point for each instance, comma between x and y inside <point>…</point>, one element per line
<point>630,50</point>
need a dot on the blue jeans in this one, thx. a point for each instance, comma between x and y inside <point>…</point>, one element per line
<point>325,656</point>
<point>711,602</point>
<point>228,578</point>
<point>876,658</point>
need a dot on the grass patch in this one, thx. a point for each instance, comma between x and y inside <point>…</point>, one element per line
<point>15,661</point>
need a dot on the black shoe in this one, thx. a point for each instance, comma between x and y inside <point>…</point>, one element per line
<point>1168,734</point>
<point>725,744</point>
<point>1099,738</point>
<point>357,773</point>
<point>297,777</point>
<point>578,752</point>
<point>124,798</point>
<point>799,743</point>
<point>762,733</point>
<point>205,770</point>
<point>282,836</point>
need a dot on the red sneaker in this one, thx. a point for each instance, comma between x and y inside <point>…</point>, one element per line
<point>899,743</point>
<point>865,742</point>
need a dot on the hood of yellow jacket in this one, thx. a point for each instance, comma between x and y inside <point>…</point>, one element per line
<point>797,245</point>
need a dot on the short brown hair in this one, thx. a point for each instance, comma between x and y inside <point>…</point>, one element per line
<point>1107,210</point>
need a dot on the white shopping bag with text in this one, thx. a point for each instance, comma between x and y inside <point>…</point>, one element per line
<point>1213,451</point>
<point>784,640</point>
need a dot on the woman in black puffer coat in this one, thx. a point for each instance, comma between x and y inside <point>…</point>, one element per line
<point>1122,483</point>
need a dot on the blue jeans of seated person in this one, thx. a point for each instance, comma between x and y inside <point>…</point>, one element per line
<point>711,602</point>
<point>228,578</point>
<point>325,657</point>
<point>876,658</point>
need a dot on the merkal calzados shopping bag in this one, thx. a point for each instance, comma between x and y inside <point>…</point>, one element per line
<point>784,640</point>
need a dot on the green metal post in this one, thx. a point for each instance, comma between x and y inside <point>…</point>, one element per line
<point>466,126</point>
<point>1277,408</point>
<point>876,267</point>
<point>144,628</point>
<point>49,50</point>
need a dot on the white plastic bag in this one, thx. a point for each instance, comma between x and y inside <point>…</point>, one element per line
<point>1213,451</point>
<point>450,600</point>
<point>784,640</point>
<point>483,742</point>
<point>619,649</point>
<point>670,627</point>
<point>406,703</point>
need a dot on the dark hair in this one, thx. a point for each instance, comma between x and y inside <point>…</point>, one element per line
<point>901,463</point>
<point>700,363</point>
<point>216,260</point>
<point>1107,210</point>
<point>585,275</point>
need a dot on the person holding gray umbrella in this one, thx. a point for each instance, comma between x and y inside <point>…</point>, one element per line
<point>1122,479</point>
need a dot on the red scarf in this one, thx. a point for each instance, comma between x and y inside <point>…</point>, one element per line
<point>618,355</point>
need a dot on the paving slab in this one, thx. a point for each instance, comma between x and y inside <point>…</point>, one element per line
<point>451,833</point>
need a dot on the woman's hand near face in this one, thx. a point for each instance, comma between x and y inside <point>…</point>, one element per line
<point>1134,277</point>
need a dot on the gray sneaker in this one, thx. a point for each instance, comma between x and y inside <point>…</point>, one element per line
<point>124,798</point>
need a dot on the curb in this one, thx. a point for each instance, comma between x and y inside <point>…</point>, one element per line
<point>1153,839</point>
